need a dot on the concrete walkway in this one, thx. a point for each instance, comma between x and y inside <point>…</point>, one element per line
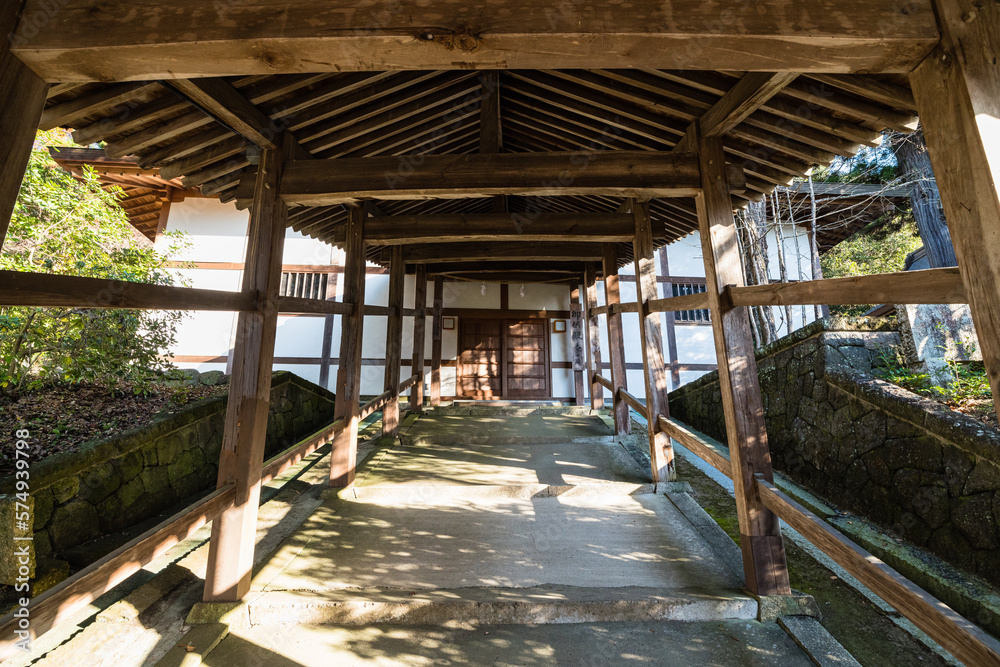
<point>515,548</point>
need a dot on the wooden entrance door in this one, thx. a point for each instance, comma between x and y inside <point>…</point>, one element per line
<point>526,359</point>
<point>480,359</point>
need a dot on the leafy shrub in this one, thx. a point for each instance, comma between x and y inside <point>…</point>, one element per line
<point>69,226</point>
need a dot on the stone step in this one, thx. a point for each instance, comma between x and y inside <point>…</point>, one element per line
<point>410,440</point>
<point>510,410</point>
<point>522,491</point>
<point>549,604</point>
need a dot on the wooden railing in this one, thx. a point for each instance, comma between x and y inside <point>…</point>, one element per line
<point>604,382</point>
<point>633,402</point>
<point>63,600</point>
<point>961,638</point>
<point>410,381</point>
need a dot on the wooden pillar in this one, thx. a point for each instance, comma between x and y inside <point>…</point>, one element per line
<point>661,451</point>
<point>393,341</point>
<point>760,534</point>
<point>578,345</point>
<point>22,99</point>
<point>419,335</point>
<point>670,324</point>
<point>437,328</point>
<point>328,322</point>
<point>230,554</point>
<point>957,89</point>
<point>594,334</point>
<point>343,457</point>
<point>616,343</point>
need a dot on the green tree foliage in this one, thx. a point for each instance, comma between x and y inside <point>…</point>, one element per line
<point>881,247</point>
<point>69,226</point>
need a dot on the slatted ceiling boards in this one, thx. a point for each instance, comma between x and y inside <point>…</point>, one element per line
<point>367,114</point>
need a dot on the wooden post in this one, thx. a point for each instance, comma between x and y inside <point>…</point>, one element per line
<point>324,365</point>
<point>230,554</point>
<point>578,345</point>
<point>957,89</point>
<point>22,99</point>
<point>343,457</point>
<point>760,534</point>
<point>661,451</point>
<point>670,323</point>
<point>616,343</point>
<point>437,328</point>
<point>594,334</point>
<point>393,342</point>
<point>419,335</point>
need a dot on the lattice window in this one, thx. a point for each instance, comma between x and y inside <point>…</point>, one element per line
<point>691,316</point>
<point>304,285</point>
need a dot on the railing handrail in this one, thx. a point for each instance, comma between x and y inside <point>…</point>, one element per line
<point>633,402</point>
<point>961,638</point>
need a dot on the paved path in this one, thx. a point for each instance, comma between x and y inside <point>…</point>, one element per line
<point>519,549</point>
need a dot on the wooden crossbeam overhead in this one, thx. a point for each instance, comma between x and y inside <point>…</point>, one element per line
<point>557,227</point>
<point>220,100</point>
<point>289,36</point>
<point>501,251</point>
<point>641,174</point>
<point>748,95</point>
<point>506,266</point>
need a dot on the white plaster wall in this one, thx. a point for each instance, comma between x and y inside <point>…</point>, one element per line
<point>219,230</point>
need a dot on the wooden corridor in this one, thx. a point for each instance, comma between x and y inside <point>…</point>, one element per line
<point>588,140</point>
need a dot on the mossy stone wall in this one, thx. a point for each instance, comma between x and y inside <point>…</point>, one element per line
<point>926,473</point>
<point>109,485</point>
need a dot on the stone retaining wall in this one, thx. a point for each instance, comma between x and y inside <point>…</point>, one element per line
<point>928,474</point>
<point>109,485</point>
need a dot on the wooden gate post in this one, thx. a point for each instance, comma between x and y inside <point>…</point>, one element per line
<point>230,552</point>
<point>393,341</point>
<point>578,344</point>
<point>344,455</point>
<point>594,364</point>
<point>22,99</point>
<point>957,89</point>
<point>437,329</point>
<point>760,533</point>
<point>661,451</point>
<point>616,342</point>
<point>419,337</point>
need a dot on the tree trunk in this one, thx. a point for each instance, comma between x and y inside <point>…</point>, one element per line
<point>915,165</point>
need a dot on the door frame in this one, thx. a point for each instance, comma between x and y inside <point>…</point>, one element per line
<point>505,321</point>
<point>547,338</point>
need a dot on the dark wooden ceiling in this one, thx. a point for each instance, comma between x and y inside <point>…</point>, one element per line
<point>813,119</point>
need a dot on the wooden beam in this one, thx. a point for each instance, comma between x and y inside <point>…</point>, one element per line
<point>501,251</point>
<point>490,124</point>
<point>760,533</point>
<point>673,304</point>
<point>437,329</point>
<point>234,532</point>
<point>749,94</point>
<point>616,341</point>
<point>343,456</point>
<point>924,286</point>
<point>557,227</point>
<point>661,451</point>
<point>394,342</point>
<point>965,641</point>
<point>568,268</point>
<point>298,35</point>
<point>419,337</point>
<point>594,365</point>
<point>957,90</point>
<point>22,99</point>
<point>221,101</point>
<point>47,291</point>
<point>609,173</point>
<point>291,304</point>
